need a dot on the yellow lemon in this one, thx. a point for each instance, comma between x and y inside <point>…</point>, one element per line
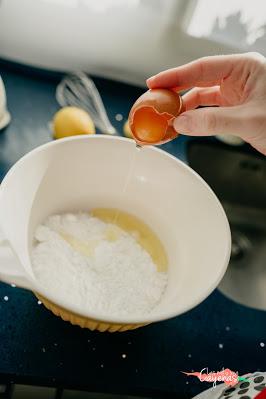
<point>127,130</point>
<point>71,121</point>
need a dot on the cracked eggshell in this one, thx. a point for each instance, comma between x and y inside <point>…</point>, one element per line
<point>151,117</point>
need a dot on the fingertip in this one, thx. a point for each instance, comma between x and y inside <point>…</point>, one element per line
<point>182,124</point>
<point>150,82</point>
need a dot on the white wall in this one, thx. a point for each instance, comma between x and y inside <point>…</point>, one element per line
<point>124,39</point>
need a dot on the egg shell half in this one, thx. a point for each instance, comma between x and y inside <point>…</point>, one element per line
<point>150,118</point>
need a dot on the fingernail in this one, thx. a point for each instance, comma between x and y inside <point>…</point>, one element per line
<point>182,123</point>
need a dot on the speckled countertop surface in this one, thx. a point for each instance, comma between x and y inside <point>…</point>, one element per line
<point>37,347</point>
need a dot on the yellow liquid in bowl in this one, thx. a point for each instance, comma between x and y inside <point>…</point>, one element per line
<point>143,234</point>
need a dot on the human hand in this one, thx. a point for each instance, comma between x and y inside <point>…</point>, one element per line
<point>236,83</point>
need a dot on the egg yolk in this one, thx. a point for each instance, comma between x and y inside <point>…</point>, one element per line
<point>150,118</point>
<point>149,126</point>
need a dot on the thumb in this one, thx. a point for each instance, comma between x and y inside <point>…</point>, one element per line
<point>211,121</point>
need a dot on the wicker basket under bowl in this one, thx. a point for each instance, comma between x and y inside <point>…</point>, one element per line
<point>85,322</point>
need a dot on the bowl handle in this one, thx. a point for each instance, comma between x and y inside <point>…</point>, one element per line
<point>11,271</point>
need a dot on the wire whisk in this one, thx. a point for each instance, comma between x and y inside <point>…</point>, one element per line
<point>78,90</point>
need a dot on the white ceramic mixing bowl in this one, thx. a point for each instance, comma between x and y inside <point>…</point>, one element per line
<point>85,172</point>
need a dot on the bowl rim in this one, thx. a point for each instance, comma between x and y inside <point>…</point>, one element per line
<point>153,317</point>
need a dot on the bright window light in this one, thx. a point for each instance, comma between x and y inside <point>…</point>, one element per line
<point>239,22</point>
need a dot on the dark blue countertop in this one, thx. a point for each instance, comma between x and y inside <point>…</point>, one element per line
<point>39,348</point>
